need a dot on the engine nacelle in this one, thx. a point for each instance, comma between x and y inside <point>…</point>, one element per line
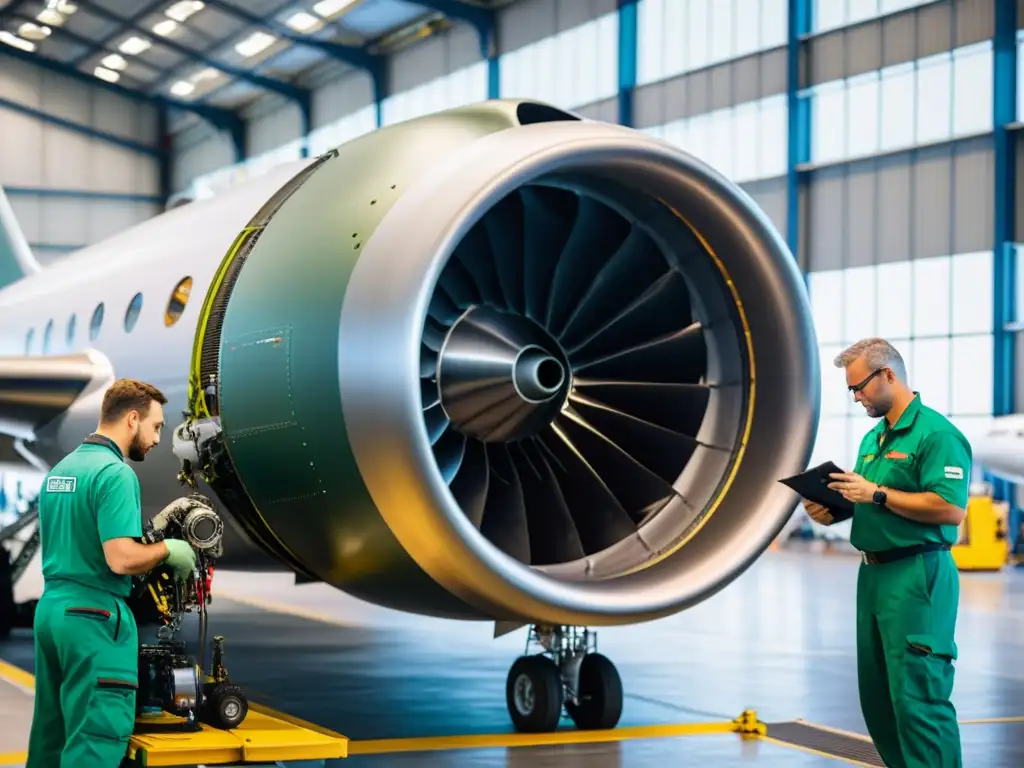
<point>500,362</point>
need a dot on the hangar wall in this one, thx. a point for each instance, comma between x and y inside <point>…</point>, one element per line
<point>79,163</point>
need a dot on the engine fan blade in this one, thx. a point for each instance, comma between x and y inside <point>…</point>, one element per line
<point>436,422</point>
<point>676,358</point>
<point>458,283</point>
<point>469,486</point>
<point>663,452</point>
<point>678,407</point>
<point>448,453</point>
<point>433,333</point>
<point>599,518</point>
<point>635,266</point>
<point>657,311</point>
<point>476,256</point>
<point>430,395</point>
<point>505,524</point>
<point>443,307</point>
<point>504,227</point>
<point>548,221</point>
<point>428,363</point>
<point>553,534</point>
<point>598,234</point>
<point>637,488</point>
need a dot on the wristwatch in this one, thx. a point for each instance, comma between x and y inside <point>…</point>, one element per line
<point>879,498</point>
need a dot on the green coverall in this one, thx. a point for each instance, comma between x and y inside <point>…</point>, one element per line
<point>86,639</point>
<point>907,607</point>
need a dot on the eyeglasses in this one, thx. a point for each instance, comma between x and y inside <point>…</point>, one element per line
<point>855,388</point>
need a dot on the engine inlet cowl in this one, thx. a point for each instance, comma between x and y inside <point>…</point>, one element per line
<point>503,363</point>
<point>641,476</point>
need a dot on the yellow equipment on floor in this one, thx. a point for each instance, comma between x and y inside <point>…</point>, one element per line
<point>984,544</point>
<point>265,737</point>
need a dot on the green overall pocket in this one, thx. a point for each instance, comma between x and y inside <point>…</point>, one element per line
<point>111,707</point>
<point>929,667</point>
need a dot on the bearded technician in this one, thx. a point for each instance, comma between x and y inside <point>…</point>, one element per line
<point>909,487</point>
<point>86,639</point>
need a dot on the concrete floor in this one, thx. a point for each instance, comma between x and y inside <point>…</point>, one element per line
<point>779,640</point>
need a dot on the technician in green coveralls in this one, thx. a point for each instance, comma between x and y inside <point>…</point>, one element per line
<point>909,489</point>
<point>86,640</point>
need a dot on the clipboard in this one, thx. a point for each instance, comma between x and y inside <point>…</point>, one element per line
<point>813,485</point>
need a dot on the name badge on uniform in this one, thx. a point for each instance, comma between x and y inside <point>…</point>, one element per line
<point>954,473</point>
<point>59,484</point>
<point>895,455</point>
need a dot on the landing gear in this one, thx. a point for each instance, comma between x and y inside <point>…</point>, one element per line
<point>567,673</point>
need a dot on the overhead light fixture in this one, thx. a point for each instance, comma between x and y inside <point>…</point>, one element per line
<point>182,88</point>
<point>183,9</point>
<point>50,16</point>
<point>255,43</point>
<point>165,27</point>
<point>64,6</point>
<point>133,46</point>
<point>329,8</point>
<point>106,74</point>
<point>304,22</point>
<point>205,74</point>
<point>16,42</point>
<point>114,61</point>
<point>34,32</point>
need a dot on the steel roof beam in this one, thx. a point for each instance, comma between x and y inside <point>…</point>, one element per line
<point>74,37</point>
<point>220,118</point>
<point>287,90</point>
<point>123,25</point>
<point>483,19</point>
<point>354,57</point>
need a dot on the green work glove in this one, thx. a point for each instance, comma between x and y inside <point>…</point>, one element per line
<point>181,558</point>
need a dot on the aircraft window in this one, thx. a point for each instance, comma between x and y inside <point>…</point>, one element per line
<point>29,338</point>
<point>176,304</point>
<point>96,323</point>
<point>47,337</point>
<point>131,315</point>
<point>71,330</point>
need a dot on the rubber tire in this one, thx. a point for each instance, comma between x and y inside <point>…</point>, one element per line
<point>600,695</point>
<point>548,694</point>
<point>221,697</point>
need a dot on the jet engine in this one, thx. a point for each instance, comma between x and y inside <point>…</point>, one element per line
<point>501,362</point>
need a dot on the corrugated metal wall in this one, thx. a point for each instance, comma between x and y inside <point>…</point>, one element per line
<point>70,188</point>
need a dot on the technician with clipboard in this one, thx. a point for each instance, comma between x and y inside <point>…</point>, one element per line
<point>909,492</point>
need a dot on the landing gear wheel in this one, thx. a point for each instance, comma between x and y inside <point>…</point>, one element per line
<point>534,695</point>
<point>226,706</point>
<point>599,693</point>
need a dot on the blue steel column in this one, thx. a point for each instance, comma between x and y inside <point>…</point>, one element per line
<point>1004,109</point>
<point>489,49</point>
<point>798,112</point>
<point>628,45</point>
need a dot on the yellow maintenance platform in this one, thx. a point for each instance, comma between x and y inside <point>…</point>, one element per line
<point>265,737</point>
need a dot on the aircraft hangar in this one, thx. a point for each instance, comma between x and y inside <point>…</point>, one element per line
<point>491,327</point>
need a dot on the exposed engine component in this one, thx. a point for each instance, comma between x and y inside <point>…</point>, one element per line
<point>502,363</point>
<point>170,679</point>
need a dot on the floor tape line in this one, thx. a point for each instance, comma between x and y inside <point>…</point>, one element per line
<point>18,677</point>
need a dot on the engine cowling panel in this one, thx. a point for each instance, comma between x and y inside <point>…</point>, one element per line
<point>502,363</point>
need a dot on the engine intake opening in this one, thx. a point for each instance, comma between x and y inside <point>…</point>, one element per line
<point>622,291</point>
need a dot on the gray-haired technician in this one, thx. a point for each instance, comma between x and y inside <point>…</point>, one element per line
<point>909,487</point>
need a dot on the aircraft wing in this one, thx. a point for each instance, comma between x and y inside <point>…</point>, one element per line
<point>34,390</point>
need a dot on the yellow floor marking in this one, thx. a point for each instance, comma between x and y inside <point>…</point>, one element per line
<point>493,740</point>
<point>811,751</point>
<point>13,758</point>
<point>19,678</point>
